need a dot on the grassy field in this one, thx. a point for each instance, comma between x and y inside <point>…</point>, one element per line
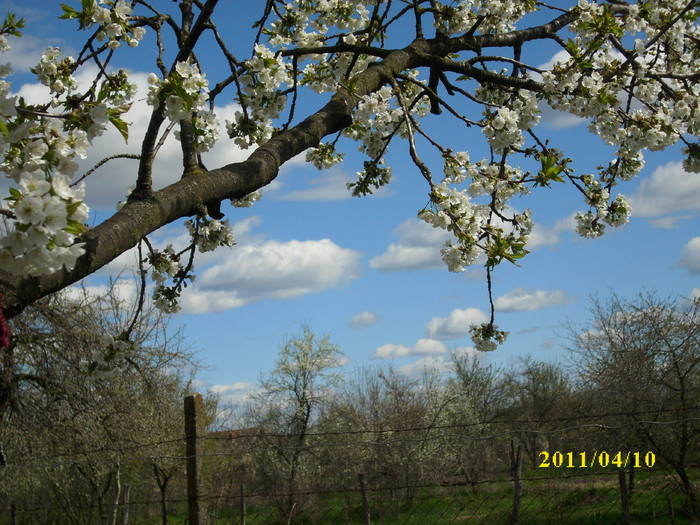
<point>560,500</point>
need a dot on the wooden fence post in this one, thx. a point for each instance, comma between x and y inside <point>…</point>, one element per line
<point>125,504</point>
<point>623,496</point>
<point>365,500</point>
<point>194,448</point>
<point>243,510</point>
<point>518,486</point>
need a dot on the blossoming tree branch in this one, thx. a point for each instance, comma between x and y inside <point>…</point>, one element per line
<point>382,69</point>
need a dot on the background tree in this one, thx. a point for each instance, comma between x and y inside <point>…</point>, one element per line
<point>641,357</point>
<point>539,398</point>
<point>479,393</point>
<point>284,410</point>
<point>78,408</point>
<point>390,69</point>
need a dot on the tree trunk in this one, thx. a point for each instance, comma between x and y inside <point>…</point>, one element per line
<point>688,490</point>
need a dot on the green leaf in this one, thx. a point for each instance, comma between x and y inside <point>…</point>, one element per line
<point>15,194</point>
<point>68,12</point>
<point>75,228</point>
<point>73,206</point>
<point>121,126</point>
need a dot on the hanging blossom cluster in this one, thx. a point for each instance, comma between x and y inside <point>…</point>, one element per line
<point>515,113</point>
<point>185,93</point>
<point>109,360</point>
<point>261,99</point>
<point>486,336</point>
<point>39,152</point>
<point>378,118</point>
<point>112,20</point>
<point>166,266</point>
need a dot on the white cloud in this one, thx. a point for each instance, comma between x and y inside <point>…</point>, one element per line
<point>418,248</point>
<point>668,223</point>
<point>456,324</point>
<point>690,260</point>
<point>542,235</point>
<point>523,299</point>
<point>363,320</point>
<point>668,191</point>
<point>328,186</point>
<point>422,347</point>
<point>269,270</point>
<point>235,393</point>
<point>125,290</point>
<point>438,364</point>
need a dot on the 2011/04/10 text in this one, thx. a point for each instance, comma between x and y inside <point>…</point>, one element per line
<point>602,459</point>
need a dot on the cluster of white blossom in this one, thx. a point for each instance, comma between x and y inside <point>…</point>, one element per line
<point>248,200</point>
<point>591,224</point>
<point>516,113</point>
<point>112,21</point>
<point>209,234</point>
<point>167,270</point>
<point>494,15</point>
<point>379,116</point>
<point>305,23</point>
<point>330,72</point>
<point>48,213</point>
<point>165,265</point>
<point>39,152</point>
<point>185,93</point>
<point>108,361</point>
<point>486,336</point>
<point>265,72</point>
<point>454,211</point>
<point>598,81</point>
<point>55,71</point>
<point>324,156</point>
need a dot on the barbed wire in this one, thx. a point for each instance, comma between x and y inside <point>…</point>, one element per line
<point>582,474</point>
<point>255,433</point>
<point>55,460</point>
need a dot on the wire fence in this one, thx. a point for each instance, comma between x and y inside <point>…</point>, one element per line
<point>581,470</point>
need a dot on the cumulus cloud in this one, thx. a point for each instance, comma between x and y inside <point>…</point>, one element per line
<point>422,347</point>
<point>690,259</point>
<point>235,393</point>
<point>456,324</point>
<point>436,364</point>
<point>418,248</point>
<point>542,235</point>
<point>269,270</point>
<point>668,191</point>
<point>124,290</point>
<point>328,186</point>
<point>363,320</point>
<point>524,299</point>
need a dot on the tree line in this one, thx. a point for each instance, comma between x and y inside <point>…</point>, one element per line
<point>75,444</point>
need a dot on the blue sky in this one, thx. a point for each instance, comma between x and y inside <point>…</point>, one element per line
<point>366,271</point>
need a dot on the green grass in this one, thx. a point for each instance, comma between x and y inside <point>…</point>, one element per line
<point>556,501</point>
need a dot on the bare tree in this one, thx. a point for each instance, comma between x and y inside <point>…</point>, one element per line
<point>641,357</point>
